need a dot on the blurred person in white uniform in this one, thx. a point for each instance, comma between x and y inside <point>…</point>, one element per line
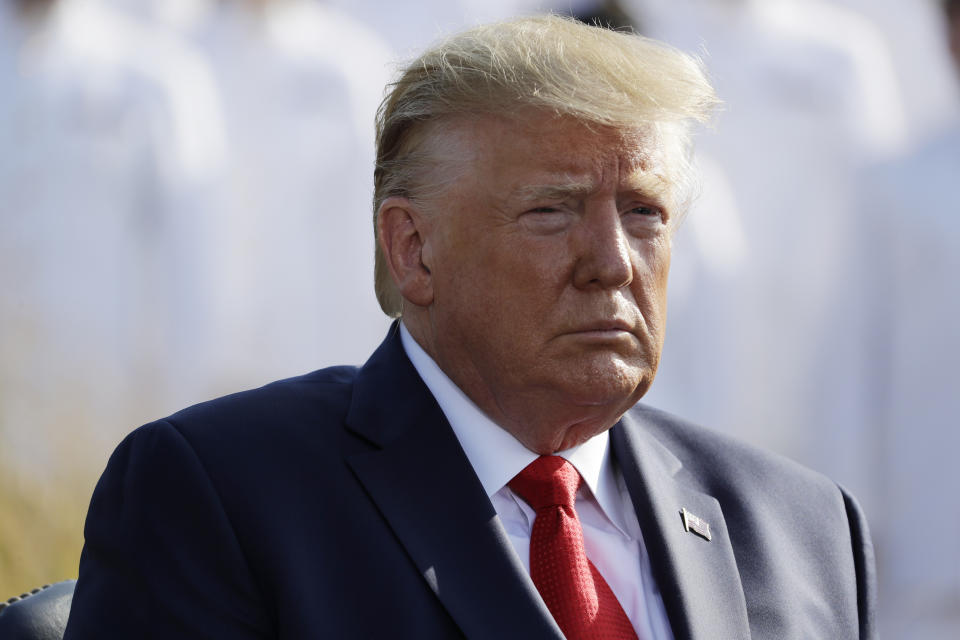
<point>909,262</point>
<point>810,97</point>
<point>407,27</point>
<point>300,83</point>
<point>912,31</point>
<point>109,129</point>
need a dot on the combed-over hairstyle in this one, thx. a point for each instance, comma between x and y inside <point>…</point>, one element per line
<point>555,64</point>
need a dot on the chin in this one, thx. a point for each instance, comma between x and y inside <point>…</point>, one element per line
<point>612,383</point>
<point>580,433</point>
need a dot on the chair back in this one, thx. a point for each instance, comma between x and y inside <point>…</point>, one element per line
<point>39,615</point>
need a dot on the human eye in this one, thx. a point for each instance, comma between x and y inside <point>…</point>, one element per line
<point>547,218</point>
<point>643,218</point>
<point>645,210</point>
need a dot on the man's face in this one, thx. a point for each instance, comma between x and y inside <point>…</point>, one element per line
<point>548,259</point>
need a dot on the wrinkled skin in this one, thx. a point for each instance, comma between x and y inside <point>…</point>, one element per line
<point>537,280</point>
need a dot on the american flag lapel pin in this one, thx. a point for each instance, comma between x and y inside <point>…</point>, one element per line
<point>695,524</point>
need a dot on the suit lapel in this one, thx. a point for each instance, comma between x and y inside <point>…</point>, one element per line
<point>698,579</point>
<point>423,484</point>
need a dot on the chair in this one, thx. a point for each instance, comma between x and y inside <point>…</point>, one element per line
<point>38,615</point>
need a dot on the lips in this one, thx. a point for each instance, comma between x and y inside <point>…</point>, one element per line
<point>605,325</point>
<point>605,334</point>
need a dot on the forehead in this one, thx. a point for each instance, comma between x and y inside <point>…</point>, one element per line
<point>521,151</point>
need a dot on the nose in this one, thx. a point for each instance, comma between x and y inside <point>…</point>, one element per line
<point>603,256</point>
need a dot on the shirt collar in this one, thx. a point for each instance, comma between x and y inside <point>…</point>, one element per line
<point>497,456</point>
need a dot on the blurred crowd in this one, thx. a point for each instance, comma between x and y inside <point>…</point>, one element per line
<point>185,210</point>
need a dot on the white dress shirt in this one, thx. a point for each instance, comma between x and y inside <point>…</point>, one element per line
<point>611,532</point>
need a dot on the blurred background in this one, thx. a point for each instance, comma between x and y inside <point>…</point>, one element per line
<point>185,192</point>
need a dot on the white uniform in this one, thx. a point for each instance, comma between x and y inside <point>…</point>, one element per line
<point>106,126</point>
<point>410,27</point>
<point>287,254</point>
<point>291,250</point>
<point>916,35</point>
<point>908,269</point>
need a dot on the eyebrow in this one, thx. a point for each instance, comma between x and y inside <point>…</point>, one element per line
<point>650,185</point>
<point>558,191</point>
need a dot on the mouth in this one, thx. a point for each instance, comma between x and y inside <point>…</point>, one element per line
<point>607,329</point>
<point>606,324</point>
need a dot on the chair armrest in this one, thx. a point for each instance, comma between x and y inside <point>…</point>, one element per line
<point>39,615</point>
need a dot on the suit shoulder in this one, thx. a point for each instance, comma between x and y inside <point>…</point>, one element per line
<point>274,419</point>
<point>787,524</point>
<point>721,461</point>
<point>325,391</point>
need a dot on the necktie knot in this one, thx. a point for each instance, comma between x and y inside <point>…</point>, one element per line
<point>546,482</point>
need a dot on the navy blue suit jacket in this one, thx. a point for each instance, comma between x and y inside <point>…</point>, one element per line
<point>340,505</point>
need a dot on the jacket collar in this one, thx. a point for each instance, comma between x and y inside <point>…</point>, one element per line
<point>423,484</point>
<point>698,578</point>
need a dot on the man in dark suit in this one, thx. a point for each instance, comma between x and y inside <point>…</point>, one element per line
<point>488,472</point>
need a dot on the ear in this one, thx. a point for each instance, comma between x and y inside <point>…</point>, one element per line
<point>401,229</point>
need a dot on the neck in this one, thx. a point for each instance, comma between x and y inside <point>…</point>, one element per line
<point>542,422</point>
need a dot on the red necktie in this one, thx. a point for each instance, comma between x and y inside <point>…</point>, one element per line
<point>576,594</point>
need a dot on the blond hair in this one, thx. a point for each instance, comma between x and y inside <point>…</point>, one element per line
<point>551,63</point>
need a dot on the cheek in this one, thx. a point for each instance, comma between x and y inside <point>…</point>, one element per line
<point>649,289</point>
<point>653,267</point>
<point>497,285</point>
<point>532,267</point>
